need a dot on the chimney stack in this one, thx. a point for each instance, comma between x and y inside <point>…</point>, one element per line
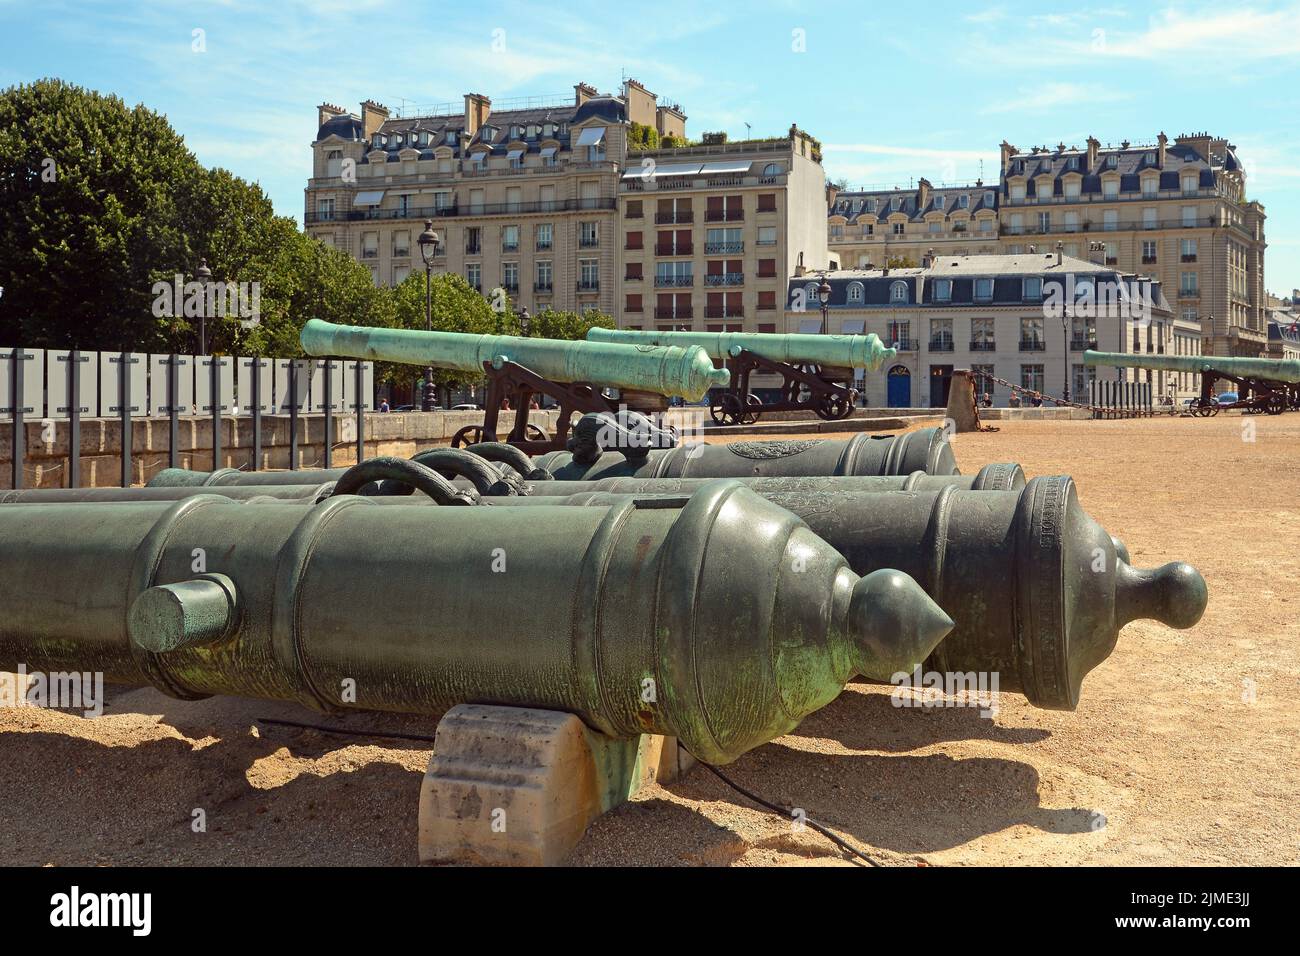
<point>582,92</point>
<point>477,109</point>
<point>372,117</point>
<point>1162,141</point>
<point>326,112</point>
<point>1007,152</point>
<point>1093,146</point>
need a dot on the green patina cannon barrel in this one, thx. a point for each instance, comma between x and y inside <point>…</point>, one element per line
<point>720,619</point>
<point>684,372</point>
<point>1272,370</point>
<point>164,492</point>
<point>926,449</point>
<point>1037,589</point>
<point>846,351</point>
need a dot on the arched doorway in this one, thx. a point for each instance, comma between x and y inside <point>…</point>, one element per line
<point>900,387</point>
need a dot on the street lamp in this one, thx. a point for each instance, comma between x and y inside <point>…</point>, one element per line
<point>824,297</point>
<point>429,243</point>
<point>1065,334</point>
<point>525,321</point>
<point>204,275</point>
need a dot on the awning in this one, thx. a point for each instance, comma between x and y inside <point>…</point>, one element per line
<point>371,197</point>
<point>810,325</point>
<point>549,151</point>
<point>854,326</point>
<point>477,157</point>
<point>514,153</point>
<point>732,166</point>
<point>591,136</point>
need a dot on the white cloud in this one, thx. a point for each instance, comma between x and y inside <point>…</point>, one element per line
<point>1050,96</point>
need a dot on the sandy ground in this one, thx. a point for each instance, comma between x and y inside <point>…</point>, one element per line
<point>1166,761</point>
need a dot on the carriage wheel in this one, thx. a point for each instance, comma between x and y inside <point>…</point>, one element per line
<point>728,410</point>
<point>469,435</point>
<point>1205,407</point>
<point>753,410</point>
<point>535,433</point>
<point>833,406</point>
<point>1276,404</point>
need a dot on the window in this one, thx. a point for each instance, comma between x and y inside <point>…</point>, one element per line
<point>509,238</point>
<point>324,209</point>
<point>588,236</point>
<point>986,225</point>
<point>1017,192</point>
<point>633,302</point>
<point>767,235</point>
<point>1031,377</point>
<point>1149,218</point>
<point>1148,251</point>
<point>989,199</point>
<point>868,229</point>
<point>767,268</point>
<point>938,202</point>
<point>898,228</point>
<point>894,203</point>
<point>545,236</point>
<point>773,169</point>
<point>963,201</point>
<point>633,210</point>
<point>935,226</point>
<point>942,290</point>
<point>981,335</point>
<point>1110,220</point>
<point>1071,222</point>
<point>474,276</point>
<point>871,206</point>
<point>545,276</point>
<point>1112,253</point>
<point>1188,283</point>
<point>898,292</point>
<point>854,293</point>
<point>1187,249</point>
<point>1112,162</point>
<point>1150,187</point>
<point>1032,289</point>
<point>400,273</point>
<point>1072,162</point>
<point>984,384</point>
<point>1190,185</point>
<point>677,273</point>
<point>633,241</point>
<point>588,275</point>
<point>1016,225</point>
<point>401,243</point>
<point>1072,189</point>
<point>1110,188</point>
<point>767,202</point>
<point>510,276</point>
<point>983,290</point>
<point>941,335</point>
<point>1044,222</point>
<point>767,301</point>
<point>1031,335</point>
<point>1189,215</point>
<point>370,245</point>
<point>547,197</point>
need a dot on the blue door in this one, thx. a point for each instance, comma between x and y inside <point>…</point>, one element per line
<point>900,387</point>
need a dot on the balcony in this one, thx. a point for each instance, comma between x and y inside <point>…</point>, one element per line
<point>1189,293</point>
<point>674,282</point>
<point>402,252</point>
<point>723,248</point>
<point>544,245</point>
<point>633,278</point>
<point>588,285</point>
<point>629,214</point>
<point>369,253</point>
<point>724,215</point>
<point>983,346</point>
<point>455,210</point>
<point>725,278</point>
<point>1080,342</point>
<point>510,285</point>
<point>473,248</point>
<point>1188,257</point>
<point>767,208</point>
<point>588,242</point>
<point>1033,345</point>
<point>679,249</point>
<point>904,345</point>
<point>723,312</point>
<point>546,286</point>
<point>674,218</point>
<point>636,248</point>
<point>681,312</point>
<point>941,344</point>
<point>1148,260</point>
<point>510,247</point>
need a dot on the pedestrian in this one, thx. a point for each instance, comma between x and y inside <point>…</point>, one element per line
<point>383,406</point>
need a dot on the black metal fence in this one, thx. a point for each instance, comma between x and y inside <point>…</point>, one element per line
<point>1111,399</point>
<point>63,387</point>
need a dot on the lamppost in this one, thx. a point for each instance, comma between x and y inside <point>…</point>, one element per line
<point>525,321</point>
<point>1065,334</point>
<point>204,275</point>
<point>429,243</point>
<point>824,297</point>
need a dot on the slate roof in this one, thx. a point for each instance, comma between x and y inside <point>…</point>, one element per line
<point>852,205</point>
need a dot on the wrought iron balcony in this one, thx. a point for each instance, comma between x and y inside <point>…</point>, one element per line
<point>681,312</point>
<point>682,217</point>
<point>905,345</point>
<point>1080,342</point>
<point>1033,345</point>
<point>677,281</point>
<point>680,249</point>
<point>983,346</point>
<point>941,344</point>
<point>723,248</point>
<point>724,215</point>
<point>725,278</point>
<point>588,285</point>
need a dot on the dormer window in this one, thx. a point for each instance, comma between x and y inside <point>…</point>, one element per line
<point>871,206</point>
<point>1072,162</point>
<point>1112,162</point>
<point>898,292</point>
<point>894,204</point>
<point>854,292</point>
<point>942,290</point>
<point>938,202</point>
<point>772,169</point>
<point>1149,159</point>
<point>396,140</point>
<point>377,141</point>
<point>963,202</point>
<point>450,138</point>
<point>988,199</point>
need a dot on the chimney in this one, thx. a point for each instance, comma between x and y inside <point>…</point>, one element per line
<point>326,112</point>
<point>923,189</point>
<point>1162,141</point>
<point>372,117</point>
<point>1060,251</point>
<point>1093,146</point>
<point>1200,142</point>
<point>582,92</point>
<point>832,191</point>
<point>477,109</point>
<point>1007,152</point>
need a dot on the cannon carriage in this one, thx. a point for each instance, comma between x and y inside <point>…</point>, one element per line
<point>816,371</point>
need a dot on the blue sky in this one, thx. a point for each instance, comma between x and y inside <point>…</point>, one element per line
<point>894,91</point>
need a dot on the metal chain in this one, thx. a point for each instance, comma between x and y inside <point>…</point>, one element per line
<point>1101,409</point>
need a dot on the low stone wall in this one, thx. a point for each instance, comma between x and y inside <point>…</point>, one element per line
<point>395,433</point>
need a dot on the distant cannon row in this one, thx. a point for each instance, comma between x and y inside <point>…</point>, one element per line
<point>1267,386</point>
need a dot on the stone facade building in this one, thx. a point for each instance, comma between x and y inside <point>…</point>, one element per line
<point>1177,212</point>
